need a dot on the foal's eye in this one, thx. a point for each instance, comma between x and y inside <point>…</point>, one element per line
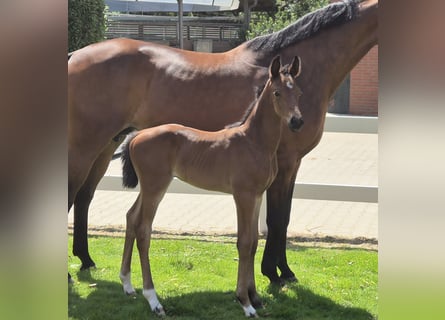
<point>276,93</point>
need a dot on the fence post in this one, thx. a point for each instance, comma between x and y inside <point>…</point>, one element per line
<point>263,215</point>
<point>180,23</point>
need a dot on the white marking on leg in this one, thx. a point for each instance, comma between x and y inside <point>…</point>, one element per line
<point>250,311</point>
<point>126,283</point>
<point>152,298</point>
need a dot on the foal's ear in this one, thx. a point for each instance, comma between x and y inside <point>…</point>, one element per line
<point>274,68</point>
<point>295,68</point>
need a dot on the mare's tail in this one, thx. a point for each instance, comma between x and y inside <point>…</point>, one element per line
<point>130,179</point>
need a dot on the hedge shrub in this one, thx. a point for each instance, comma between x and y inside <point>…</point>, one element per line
<point>86,23</point>
<point>287,12</point>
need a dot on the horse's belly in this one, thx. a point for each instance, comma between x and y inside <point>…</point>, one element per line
<point>208,179</point>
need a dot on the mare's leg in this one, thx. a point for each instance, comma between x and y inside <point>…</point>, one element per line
<point>80,161</point>
<point>279,200</point>
<point>83,200</point>
<point>133,220</point>
<point>247,206</point>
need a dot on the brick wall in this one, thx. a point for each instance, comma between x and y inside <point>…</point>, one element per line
<point>364,85</point>
<point>363,96</point>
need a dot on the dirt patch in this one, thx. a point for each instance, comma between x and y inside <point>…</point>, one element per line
<point>303,240</point>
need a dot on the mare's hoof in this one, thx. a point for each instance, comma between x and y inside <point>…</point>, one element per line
<point>88,266</point>
<point>288,279</point>
<point>278,282</point>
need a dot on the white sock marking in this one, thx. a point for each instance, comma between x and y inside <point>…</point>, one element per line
<point>249,311</point>
<point>126,283</point>
<point>152,298</point>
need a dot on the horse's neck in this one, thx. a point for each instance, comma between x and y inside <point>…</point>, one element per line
<point>263,126</point>
<point>331,54</point>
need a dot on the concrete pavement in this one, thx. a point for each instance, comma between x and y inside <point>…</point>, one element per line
<point>340,158</point>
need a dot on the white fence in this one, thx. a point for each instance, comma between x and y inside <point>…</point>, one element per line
<point>315,191</point>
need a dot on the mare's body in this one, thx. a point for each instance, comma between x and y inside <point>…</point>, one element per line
<point>118,84</point>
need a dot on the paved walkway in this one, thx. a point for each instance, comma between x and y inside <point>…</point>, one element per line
<point>340,158</point>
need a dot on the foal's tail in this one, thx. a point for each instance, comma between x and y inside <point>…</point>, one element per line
<point>130,179</point>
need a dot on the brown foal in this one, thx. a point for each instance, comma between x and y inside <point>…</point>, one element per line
<point>240,160</point>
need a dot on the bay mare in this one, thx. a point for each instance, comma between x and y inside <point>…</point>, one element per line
<point>240,160</point>
<point>120,84</point>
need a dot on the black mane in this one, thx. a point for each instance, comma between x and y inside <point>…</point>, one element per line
<point>333,14</point>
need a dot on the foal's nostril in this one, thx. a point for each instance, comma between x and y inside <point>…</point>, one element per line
<point>295,123</point>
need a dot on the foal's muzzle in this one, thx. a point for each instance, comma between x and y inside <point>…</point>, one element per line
<point>295,123</point>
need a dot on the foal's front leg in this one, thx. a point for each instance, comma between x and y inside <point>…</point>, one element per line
<point>149,292</point>
<point>149,202</point>
<point>247,213</point>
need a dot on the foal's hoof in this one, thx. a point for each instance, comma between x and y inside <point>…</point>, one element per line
<point>253,315</point>
<point>256,302</point>
<point>159,310</point>
<point>130,293</point>
<point>250,312</point>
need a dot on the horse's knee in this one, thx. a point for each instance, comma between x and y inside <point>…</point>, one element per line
<point>245,246</point>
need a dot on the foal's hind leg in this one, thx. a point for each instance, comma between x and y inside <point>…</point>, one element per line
<point>82,204</point>
<point>133,219</point>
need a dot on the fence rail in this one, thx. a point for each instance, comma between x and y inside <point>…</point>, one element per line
<point>314,191</point>
<point>161,29</point>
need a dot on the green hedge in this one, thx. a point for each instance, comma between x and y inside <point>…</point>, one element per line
<point>288,11</point>
<point>86,23</point>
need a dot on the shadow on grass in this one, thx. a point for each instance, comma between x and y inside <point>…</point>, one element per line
<point>106,300</point>
<point>308,305</point>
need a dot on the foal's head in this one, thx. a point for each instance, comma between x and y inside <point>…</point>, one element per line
<point>285,92</point>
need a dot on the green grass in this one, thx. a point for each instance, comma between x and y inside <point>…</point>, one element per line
<point>195,278</point>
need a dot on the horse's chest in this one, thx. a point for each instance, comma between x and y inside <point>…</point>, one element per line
<point>273,170</point>
<point>263,172</point>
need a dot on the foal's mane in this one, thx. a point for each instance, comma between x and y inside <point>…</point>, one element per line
<point>333,14</point>
<point>258,91</point>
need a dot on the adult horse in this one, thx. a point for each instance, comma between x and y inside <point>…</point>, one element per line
<point>120,84</point>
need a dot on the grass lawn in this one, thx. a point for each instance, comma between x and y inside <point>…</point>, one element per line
<point>195,278</point>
